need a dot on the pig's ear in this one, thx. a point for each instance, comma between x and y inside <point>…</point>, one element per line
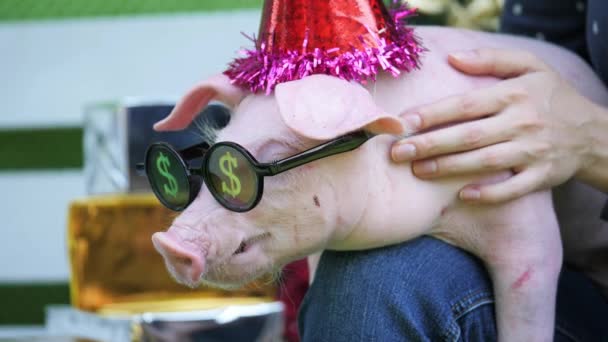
<point>216,87</point>
<point>323,107</point>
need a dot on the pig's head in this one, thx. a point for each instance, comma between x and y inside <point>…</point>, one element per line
<point>303,210</point>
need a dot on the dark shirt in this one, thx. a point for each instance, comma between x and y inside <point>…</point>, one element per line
<point>579,25</point>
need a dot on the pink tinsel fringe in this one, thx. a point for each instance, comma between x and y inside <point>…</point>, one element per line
<point>261,70</point>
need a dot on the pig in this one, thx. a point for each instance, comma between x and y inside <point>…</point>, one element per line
<point>360,199</point>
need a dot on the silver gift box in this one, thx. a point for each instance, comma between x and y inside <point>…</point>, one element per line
<point>116,135</point>
<point>247,323</point>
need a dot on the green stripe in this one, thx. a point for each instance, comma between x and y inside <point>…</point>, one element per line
<point>62,9</point>
<point>23,304</point>
<point>42,148</point>
<point>17,10</point>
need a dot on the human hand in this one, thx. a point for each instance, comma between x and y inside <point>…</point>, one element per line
<point>533,123</point>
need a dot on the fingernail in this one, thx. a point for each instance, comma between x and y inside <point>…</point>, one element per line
<point>404,152</point>
<point>462,55</point>
<point>412,123</point>
<point>470,194</point>
<point>425,167</point>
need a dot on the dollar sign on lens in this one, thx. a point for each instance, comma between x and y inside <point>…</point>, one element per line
<point>227,162</point>
<point>162,164</point>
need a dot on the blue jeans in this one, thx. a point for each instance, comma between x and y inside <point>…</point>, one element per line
<point>427,290</point>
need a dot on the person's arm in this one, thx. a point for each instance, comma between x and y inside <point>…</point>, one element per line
<point>595,171</point>
<point>534,123</point>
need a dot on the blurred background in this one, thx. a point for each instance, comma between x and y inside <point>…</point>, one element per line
<point>56,57</point>
<point>59,56</point>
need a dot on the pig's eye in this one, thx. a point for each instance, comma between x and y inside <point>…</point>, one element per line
<point>273,150</point>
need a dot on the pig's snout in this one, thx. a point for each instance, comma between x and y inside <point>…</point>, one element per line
<point>184,262</point>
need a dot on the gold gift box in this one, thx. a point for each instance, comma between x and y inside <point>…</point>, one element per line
<point>113,261</point>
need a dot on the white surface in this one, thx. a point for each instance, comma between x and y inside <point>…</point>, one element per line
<point>34,208</point>
<point>21,331</point>
<point>50,69</point>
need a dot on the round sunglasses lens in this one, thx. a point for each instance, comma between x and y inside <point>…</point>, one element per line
<point>232,178</point>
<point>168,177</point>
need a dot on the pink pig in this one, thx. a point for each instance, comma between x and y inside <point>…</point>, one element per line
<point>360,199</point>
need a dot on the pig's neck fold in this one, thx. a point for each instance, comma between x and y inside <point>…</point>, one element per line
<point>395,207</point>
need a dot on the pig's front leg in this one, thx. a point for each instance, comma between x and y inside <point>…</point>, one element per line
<point>520,244</point>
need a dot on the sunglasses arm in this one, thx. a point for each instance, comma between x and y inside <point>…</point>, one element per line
<point>341,144</point>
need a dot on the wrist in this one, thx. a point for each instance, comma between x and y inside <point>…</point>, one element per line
<point>594,168</point>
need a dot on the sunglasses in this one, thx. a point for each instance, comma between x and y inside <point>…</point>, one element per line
<point>232,175</point>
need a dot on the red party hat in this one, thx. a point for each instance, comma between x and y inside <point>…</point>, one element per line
<point>349,39</point>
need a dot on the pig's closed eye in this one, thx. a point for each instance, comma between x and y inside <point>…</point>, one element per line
<point>273,150</point>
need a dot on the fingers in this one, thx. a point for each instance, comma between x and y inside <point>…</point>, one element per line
<point>502,156</point>
<point>457,138</point>
<point>496,62</point>
<point>522,183</point>
<point>471,105</point>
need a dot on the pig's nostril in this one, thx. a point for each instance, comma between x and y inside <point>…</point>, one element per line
<point>185,263</point>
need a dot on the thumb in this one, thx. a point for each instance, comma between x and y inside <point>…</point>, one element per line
<point>500,63</point>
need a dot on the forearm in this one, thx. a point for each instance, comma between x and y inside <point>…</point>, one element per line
<point>595,171</point>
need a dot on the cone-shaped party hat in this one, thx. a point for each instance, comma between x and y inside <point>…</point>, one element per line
<point>349,39</point>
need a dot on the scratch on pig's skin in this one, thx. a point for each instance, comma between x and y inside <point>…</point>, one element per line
<point>522,279</point>
<point>315,198</point>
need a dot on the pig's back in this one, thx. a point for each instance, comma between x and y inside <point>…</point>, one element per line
<point>436,79</point>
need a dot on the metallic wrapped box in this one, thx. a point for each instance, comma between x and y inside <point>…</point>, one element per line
<point>116,135</point>
<point>222,320</point>
<point>112,258</point>
<point>120,288</point>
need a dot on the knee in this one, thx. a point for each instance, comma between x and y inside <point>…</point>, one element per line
<point>421,288</point>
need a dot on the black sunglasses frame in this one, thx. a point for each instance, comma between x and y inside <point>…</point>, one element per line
<point>196,176</point>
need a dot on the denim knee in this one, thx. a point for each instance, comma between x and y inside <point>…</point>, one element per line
<point>421,290</point>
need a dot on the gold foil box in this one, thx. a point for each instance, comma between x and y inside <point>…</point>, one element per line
<point>112,258</point>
